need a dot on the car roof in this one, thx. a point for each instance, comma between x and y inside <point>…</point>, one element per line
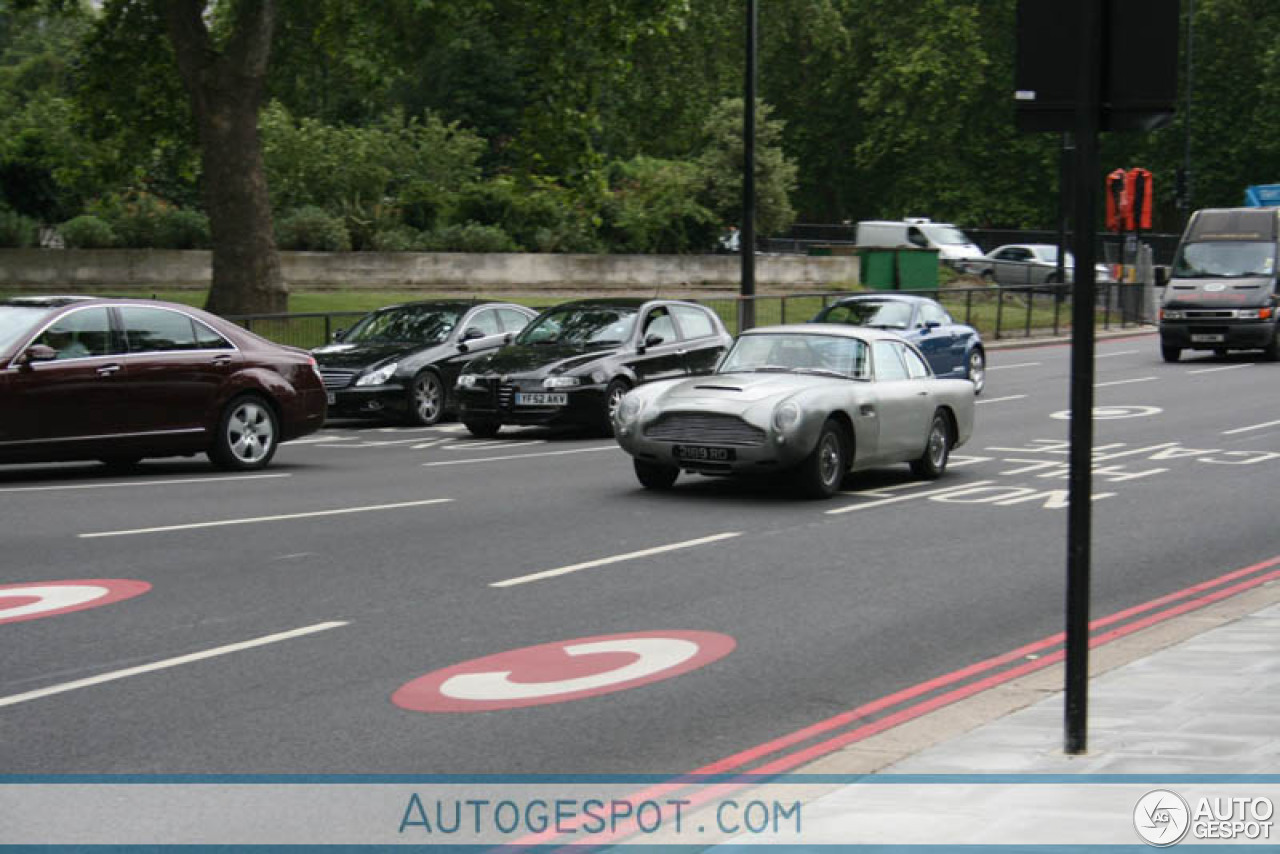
<point>840,330</point>
<point>44,301</point>
<point>440,304</point>
<point>884,297</point>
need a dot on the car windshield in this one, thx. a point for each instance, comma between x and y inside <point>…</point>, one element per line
<point>946,235</point>
<point>404,324</point>
<point>828,355</point>
<point>886,314</point>
<point>1220,259</point>
<point>583,326</point>
<point>15,322</point>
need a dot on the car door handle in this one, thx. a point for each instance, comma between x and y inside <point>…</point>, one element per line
<point>108,370</point>
<point>221,359</point>
<point>924,393</point>
<point>867,409</point>
<point>682,352</point>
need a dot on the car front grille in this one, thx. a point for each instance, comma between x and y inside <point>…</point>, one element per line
<point>705,429</point>
<point>335,379</point>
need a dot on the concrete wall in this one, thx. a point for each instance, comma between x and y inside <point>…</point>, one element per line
<point>80,270</point>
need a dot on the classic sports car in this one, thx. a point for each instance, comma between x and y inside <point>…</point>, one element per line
<point>951,349</point>
<point>576,360</point>
<point>818,400</point>
<point>403,360</point>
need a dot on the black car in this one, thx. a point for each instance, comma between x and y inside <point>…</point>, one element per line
<point>573,364</point>
<point>402,360</point>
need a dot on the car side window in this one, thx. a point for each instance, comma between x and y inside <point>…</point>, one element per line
<point>889,361</point>
<point>658,322</point>
<point>486,321</point>
<point>208,339</point>
<point>512,321</point>
<point>80,334</point>
<point>156,330</point>
<point>930,313</point>
<point>916,367</point>
<point>694,322</point>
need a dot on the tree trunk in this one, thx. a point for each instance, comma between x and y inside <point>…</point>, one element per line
<point>226,91</point>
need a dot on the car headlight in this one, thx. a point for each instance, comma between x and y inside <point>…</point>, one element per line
<point>1168,314</point>
<point>785,417</point>
<point>561,382</point>
<point>380,376</point>
<point>467,380</point>
<point>629,408</point>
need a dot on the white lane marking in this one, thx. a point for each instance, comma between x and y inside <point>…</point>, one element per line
<point>1112,355</point>
<point>523,456</point>
<point>654,656</point>
<point>15,699</point>
<point>1100,458</point>
<point>1261,426</point>
<point>406,429</point>
<point>116,483</point>
<point>455,445</point>
<point>960,460</point>
<point>1011,367</point>
<point>50,598</point>
<point>1125,382</point>
<point>1223,368</point>
<point>909,497</point>
<point>256,519</point>
<point>320,440</point>
<point>999,399</point>
<point>605,561</point>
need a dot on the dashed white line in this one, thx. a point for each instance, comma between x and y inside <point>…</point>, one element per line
<point>1113,355</point>
<point>1011,367</point>
<point>1261,426</point>
<point>522,456</point>
<point>999,399</point>
<point>605,561</point>
<point>909,497</point>
<point>191,658</point>
<point>1125,382</point>
<point>120,483</point>
<point>1222,368</point>
<point>256,519</point>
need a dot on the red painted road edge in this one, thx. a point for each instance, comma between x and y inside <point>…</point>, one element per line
<point>1189,599</point>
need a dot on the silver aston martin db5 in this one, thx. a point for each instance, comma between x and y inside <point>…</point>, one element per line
<point>816,400</point>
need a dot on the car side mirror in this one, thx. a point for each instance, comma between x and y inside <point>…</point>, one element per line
<point>653,339</point>
<point>38,353</point>
<point>472,333</point>
<point>508,338</point>
<point>1162,276</point>
<point>339,334</point>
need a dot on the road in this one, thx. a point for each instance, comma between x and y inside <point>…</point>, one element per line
<point>287,609</point>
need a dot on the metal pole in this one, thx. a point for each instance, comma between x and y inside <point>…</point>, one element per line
<point>1064,207</point>
<point>747,245</point>
<point>1080,474</point>
<point>1184,198</point>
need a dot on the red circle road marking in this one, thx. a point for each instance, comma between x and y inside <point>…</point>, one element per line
<point>36,599</point>
<point>562,671</point>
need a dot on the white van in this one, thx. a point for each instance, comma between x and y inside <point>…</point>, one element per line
<point>953,245</point>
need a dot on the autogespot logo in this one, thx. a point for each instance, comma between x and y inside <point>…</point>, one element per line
<point>1161,818</point>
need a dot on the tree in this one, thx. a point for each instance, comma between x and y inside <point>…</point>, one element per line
<point>225,79</point>
<point>722,162</point>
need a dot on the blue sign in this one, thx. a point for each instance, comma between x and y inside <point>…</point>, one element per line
<point>1262,196</point>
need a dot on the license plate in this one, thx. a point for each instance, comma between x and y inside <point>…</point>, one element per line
<point>1208,339</point>
<point>541,398</point>
<point>703,454</point>
<point>331,398</point>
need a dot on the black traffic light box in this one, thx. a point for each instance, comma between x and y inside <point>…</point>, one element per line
<point>1139,73</point>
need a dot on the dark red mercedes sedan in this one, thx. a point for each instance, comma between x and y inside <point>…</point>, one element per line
<point>118,380</point>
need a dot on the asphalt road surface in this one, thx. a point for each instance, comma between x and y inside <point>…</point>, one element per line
<point>298,620</point>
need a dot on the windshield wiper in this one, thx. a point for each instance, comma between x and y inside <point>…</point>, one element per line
<point>822,372</point>
<point>771,369</point>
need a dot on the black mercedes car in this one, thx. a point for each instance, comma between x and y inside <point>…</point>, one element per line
<point>402,360</point>
<point>573,364</point>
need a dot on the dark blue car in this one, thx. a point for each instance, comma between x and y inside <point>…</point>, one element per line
<point>952,349</point>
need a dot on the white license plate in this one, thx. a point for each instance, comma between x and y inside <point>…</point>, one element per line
<point>1208,339</point>
<point>331,398</point>
<point>540,398</point>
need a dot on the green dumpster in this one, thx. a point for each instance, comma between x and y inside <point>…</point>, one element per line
<point>878,268</point>
<point>917,269</point>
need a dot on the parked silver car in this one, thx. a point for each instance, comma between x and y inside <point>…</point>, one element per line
<point>1022,264</point>
<point>818,400</point>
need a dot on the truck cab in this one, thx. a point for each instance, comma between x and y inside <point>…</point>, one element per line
<point>1222,292</point>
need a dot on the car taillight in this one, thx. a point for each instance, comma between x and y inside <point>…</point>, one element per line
<point>315,367</point>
